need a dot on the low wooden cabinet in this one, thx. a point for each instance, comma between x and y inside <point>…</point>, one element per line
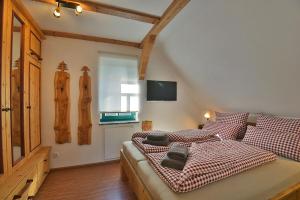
<point>22,189</point>
<point>26,181</point>
<point>42,170</point>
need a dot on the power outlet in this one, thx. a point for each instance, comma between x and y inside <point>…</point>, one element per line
<point>56,155</point>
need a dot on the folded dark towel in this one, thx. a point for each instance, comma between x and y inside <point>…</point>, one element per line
<point>171,163</point>
<point>157,137</point>
<point>178,152</point>
<point>165,142</point>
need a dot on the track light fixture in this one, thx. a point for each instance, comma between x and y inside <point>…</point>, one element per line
<point>60,3</point>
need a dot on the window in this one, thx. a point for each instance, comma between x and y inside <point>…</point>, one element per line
<point>130,98</point>
<point>118,88</point>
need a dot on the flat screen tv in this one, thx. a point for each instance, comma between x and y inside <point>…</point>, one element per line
<point>161,90</point>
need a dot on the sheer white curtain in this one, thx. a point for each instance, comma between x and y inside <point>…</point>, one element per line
<point>118,87</point>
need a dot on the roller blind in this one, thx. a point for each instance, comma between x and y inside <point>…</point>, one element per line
<point>118,85</point>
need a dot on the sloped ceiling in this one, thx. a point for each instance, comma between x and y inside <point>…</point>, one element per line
<point>239,55</point>
<point>96,24</point>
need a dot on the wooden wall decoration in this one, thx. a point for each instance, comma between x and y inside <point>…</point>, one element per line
<point>62,105</point>
<point>84,107</point>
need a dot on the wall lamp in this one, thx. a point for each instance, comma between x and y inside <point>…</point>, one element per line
<point>207,116</point>
<point>60,3</point>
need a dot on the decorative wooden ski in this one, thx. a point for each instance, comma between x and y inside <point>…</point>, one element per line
<point>62,105</point>
<point>84,107</point>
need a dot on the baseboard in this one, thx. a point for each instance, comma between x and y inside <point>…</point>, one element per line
<point>86,165</point>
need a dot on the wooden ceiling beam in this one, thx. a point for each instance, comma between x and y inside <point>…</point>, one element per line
<point>149,40</point>
<point>90,38</point>
<point>175,7</point>
<point>145,56</point>
<point>111,10</point>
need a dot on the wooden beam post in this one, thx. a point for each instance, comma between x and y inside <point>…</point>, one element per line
<point>146,52</point>
<point>90,38</point>
<point>148,41</point>
<point>111,10</point>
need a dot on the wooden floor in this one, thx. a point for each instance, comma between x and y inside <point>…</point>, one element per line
<point>100,182</point>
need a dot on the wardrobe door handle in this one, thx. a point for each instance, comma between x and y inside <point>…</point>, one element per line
<point>37,56</point>
<point>28,107</point>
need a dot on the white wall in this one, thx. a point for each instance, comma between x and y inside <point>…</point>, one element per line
<point>170,115</point>
<point>239,55</point>
<point>76,53</point>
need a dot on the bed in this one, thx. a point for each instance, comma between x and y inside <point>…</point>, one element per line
<point>264,182</point>
<point>257,167</point>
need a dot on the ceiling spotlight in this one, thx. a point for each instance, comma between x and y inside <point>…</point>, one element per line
<point>56,12</point>
<point>67,4</point>
<point>78,10</point>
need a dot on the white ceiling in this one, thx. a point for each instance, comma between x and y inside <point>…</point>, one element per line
<point>96,24</point>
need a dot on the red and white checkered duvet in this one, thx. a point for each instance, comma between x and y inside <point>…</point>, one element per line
<point>188,135</point>
<point>209,162</point>
<point>144,134</point>
<point>225,131</point>
<point>197,135</point>
<point>184,137</point>
<point>147,148</point>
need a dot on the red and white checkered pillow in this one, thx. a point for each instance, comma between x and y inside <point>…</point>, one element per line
<point>234,118</point>
<point>283,144</point>
<point>225,131</point>
<point>278,124</point>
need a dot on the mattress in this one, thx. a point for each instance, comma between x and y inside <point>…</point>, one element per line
<point>262,183</point>
<point>132,153</point>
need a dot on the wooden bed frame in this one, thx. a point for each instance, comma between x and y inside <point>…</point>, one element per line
<point>129,174</point>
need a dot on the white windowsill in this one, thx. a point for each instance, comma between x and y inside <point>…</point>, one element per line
<point>119,122</point>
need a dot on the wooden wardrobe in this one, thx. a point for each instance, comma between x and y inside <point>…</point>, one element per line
<point>24,163</point>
